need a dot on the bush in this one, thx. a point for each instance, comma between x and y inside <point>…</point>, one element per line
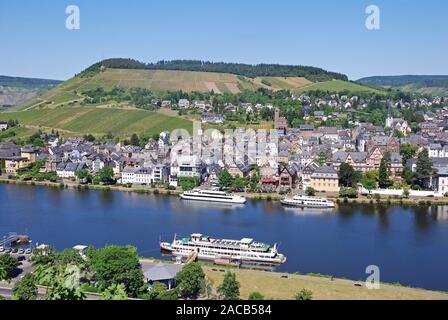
<point>304,295</point>
<point>310,191</point>
<point>351,193</point>
<point>256,296</point>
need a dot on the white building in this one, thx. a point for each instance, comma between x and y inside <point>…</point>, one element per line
<point>136,175</point>
<point>3,125</point>
<point>184,104</point>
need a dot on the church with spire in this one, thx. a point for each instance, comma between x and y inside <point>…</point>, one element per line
<point>397,124</point>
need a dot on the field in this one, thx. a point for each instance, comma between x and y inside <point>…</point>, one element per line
<point>98,121</point>
<point>337,86</point>
<point>272,286</point>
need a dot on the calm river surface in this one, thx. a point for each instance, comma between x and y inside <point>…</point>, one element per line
<point>409,244</point>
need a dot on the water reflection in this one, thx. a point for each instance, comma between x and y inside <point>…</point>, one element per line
<point>309,211</point>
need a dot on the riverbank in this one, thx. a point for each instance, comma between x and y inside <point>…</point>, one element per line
<point>389,200</point>
<point>275,285</point>
<point>284,286</point>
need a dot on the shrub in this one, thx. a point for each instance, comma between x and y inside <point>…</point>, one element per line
<point>310,191</point>
<point>351,193</point>
<point>304,294</point>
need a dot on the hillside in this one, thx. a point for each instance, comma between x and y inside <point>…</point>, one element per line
<point>339,86</point>
<point>158,81</point>
<point>75,121</point>
<point>80,105</point>
<point>16,90</point>
<point>422,84</point>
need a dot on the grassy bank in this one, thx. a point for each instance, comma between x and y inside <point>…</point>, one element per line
<point>272,286</point>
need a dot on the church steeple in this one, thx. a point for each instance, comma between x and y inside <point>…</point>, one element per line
<point>389,118</point>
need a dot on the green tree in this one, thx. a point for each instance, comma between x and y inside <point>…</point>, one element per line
<point>322,158</point>
<point>256,296</point>
<point>115,292</point>
<point>83,175</point>
<point>106,175</point>
<point>25,288</point>
<point>310,191</point>
<point>369,180</point>
<point>159,291</point>
<point>384,172</point>
<point>188,183</point>
<point>117,265</point>
<point>8,264</point>
<point>191,280</point>
<point>424,169</point>
<point>304,294</point>
<point>225,179</point>
<point>64,284</point>
<point>135,140</point>
<point>407,175</point>
<point>230,287</point>
<point>408,151</point>
<point>348,193</point>
<point>348,177</point>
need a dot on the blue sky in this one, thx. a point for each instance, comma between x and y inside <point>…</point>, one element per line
<point>330,34</point>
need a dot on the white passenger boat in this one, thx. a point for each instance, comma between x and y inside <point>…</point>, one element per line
<point>308,202</point>
<point>206,248</point>
<point>212,196</point>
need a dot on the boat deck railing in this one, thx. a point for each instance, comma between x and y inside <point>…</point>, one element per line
<point>9,239</point>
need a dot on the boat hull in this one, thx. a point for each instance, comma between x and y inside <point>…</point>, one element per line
<point>305,205</point>
<point>233,258</point>
<point>216,200</point>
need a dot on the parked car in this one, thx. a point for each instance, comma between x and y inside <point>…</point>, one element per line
<point>14,250</point>
<point>28,251</point>
<point>2,249</point>
<point>20,251</point>
<point>8,250</point>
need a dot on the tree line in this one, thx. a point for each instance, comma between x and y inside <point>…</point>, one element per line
<point>247,70</point>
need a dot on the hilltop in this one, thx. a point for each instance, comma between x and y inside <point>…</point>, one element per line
<point>423,84</point>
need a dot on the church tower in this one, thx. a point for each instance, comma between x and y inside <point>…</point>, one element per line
<point>389,119</point>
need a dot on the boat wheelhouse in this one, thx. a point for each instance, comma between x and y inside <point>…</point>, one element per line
<point>207,248</point>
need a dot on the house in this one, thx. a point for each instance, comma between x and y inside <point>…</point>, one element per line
<point>212,118</point>
<point>137,175</point>
<point>287,176</point>
<point>29,152</point>
<point>238,170</point>
<point>183,104</point>
<point>164,273</point>
<point>325,179</point>
<point>214,172</point>
<point>161,172</point>
<point>12,164</point>
<point>3,125</point>
<point>68,169</point>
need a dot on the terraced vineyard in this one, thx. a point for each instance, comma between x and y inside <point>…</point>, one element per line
<point>99,121</point>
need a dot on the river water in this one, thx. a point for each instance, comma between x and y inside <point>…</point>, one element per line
<point>408,244</point>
